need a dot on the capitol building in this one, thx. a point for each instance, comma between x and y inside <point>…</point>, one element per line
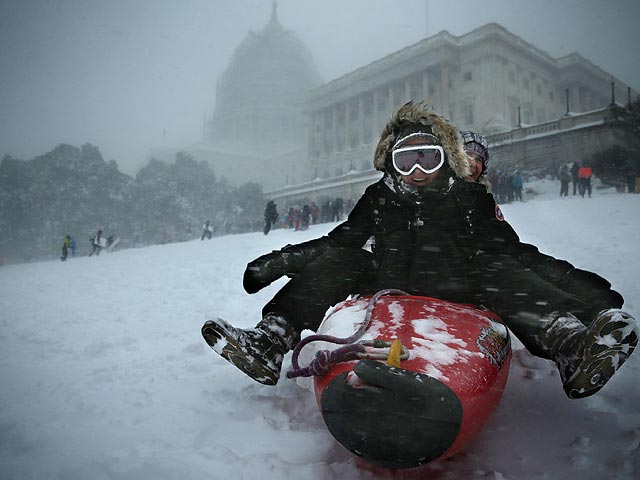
<point>259,124</point>
<point>276,123</point>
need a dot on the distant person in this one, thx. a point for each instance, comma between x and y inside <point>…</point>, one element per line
<point>632,169</point>
<point>207,230</point>
<point>315,213</point>
<point>337,210</point>
<point>305,217</point>
<point>66,246</point>
<point>297,215</point>
<point>73,246</point>
<point>517,184</point>
<point>575,179</point>
<point>97,243</point>
<point>291,218</point>
<point>565,177</point>
<point>270,216</point>
<point>584,174</point>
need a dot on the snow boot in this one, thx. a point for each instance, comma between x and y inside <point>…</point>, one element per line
<point>258,352</point>
<point>587,357</point>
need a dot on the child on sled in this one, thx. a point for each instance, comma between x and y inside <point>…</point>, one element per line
<point>434,233</point>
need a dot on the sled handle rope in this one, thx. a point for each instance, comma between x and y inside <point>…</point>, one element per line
<point>352,350</point>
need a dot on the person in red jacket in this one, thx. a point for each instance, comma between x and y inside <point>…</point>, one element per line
<point>584,175</point>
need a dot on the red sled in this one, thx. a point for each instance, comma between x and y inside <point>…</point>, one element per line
<point>447,384</point>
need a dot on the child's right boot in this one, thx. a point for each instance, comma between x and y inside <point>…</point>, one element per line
<point>259,351</point>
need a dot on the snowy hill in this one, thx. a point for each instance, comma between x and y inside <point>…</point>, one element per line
<point>104,373</point>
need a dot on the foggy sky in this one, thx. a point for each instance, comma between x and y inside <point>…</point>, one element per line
<point>129,76</point>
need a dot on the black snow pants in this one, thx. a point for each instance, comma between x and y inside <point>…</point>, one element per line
<point>324,282</point>
<point>525,299</point>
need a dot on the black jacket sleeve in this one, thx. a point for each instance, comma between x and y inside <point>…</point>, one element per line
<point>287,261</point>
<point>354,232</point>
<point>492,234</point>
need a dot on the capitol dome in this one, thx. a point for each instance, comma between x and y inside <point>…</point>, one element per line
<point>260,96</point>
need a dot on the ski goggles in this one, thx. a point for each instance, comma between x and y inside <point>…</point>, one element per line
<point>428,158</point>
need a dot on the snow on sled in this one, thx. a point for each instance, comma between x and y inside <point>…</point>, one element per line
<point>402,406</point>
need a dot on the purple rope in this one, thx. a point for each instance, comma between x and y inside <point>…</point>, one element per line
<point>324,358</point>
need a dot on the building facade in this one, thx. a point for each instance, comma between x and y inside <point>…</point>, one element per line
<point>275,124</point>
<point>488,80</point>
<point>539,149</point>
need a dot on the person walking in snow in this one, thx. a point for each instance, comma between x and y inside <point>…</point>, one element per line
<point>291,218</point>
<point>584,175</point>
<point>557,311</point>
<point>517,184</point>
<point>207,230</point>
<point>270,216</point>
<point>575,179</point>
<point>66,246</point>
<point>315,213</point>
<point>565,177</point>
<point>305,217</point>
<point>97,243</point>
<point>73,245</point>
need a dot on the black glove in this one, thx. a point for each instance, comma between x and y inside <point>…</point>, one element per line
<point>290,260</point>
<point>264,270</point>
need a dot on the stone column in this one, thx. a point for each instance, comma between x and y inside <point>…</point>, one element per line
<point>373,124</point>
<point>425,85</point>
<point>312,141</point>
<point>334,135</point>
<point>444,92</point>
<point>361,121</point>
<point>346,131</point>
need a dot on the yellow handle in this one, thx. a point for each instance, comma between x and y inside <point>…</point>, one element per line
<point>395,350</point>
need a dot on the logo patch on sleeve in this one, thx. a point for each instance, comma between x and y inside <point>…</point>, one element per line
<point>499,214</point>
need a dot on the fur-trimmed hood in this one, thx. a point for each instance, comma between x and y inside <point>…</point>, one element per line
<point>419,113</point>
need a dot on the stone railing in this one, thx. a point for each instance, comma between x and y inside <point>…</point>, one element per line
<point>566,122</point>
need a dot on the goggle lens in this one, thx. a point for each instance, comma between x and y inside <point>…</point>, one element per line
<point>428,158</point>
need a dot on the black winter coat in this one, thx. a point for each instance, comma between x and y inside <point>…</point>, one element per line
<point>437,248</point>
<point>412,244</point>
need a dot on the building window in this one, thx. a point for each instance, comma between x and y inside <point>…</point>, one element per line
<point>468,76</point>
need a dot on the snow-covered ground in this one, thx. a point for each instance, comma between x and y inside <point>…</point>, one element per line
<point>104,374</point>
